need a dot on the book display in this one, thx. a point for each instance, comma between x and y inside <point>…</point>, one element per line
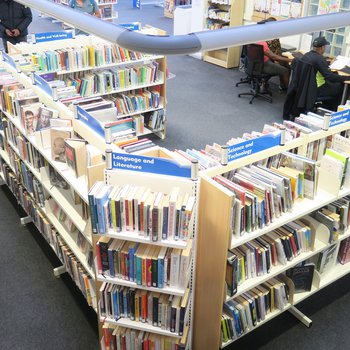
<point>139,229</point>
<point>272,231</point>
<point>223,14</point>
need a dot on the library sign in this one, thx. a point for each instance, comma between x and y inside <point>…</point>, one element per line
<point>90,121</point>
<point>250,147</point>
<point>52,36</point>
<point>340,117</point>
<point>8,59</point>
<point>43,83</point>
<point>149,165</point>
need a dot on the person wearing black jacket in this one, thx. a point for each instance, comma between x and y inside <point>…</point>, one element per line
<point>329,84</point>
<point>14,21</point>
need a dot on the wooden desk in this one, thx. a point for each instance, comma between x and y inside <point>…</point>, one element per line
<point>346,87</point>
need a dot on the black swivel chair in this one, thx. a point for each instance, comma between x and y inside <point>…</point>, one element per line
<point>302,91</point>
<point>242,67</point>
<point>254,69</point>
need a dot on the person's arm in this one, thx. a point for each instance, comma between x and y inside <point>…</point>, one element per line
<point>272,56</point>
<point>97,12</point>
<point>27,14</point>
<point>323,68</point>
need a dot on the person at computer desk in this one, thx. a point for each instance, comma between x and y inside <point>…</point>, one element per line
<point>329,84</point>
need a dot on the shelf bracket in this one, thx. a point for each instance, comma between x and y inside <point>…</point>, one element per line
<point>58,271</point>
<point>300,316</point>
<point>26,220</point>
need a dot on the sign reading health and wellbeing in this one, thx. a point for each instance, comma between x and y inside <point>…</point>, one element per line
<point>52,36</point>
<point>250,147</point>
<point>8,59</point>
<point>42,83</point>
<point>340,117</point>
<point>90,121</point>
<point>152,165</point>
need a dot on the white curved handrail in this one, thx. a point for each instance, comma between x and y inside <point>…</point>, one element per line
<point>194,42</point>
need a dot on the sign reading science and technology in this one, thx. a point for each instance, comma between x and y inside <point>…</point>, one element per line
<point>250,147</point>
<point>149,165</point>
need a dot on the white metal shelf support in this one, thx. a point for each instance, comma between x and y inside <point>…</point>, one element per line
<point>58,271</point>
<point>300,316</point>
<point>26,220</point>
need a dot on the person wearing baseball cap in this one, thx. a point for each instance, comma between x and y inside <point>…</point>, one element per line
<point>329,84</point>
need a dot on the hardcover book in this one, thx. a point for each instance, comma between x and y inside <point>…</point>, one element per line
<point>302,276</point>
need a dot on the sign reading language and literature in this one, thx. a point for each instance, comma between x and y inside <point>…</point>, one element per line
<point>8,59</point>
<point>90,121</point>
<point>150,165</point>
<point>340,117</point>
<point>250,147</point>
<point>52,36</point>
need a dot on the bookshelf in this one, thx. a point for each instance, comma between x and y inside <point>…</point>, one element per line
<point>223,14</point>
<point>106,8</point>
<point>170,5</point>
<point>116,65</point>
<point>163,185</point>
<point>215,238</point>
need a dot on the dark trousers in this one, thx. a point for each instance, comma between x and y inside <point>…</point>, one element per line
<point>13,41</point>
<point>333,91</point>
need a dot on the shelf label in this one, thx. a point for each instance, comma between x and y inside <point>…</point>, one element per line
<point>136,4</point>
<point>42,84</point>
<point>152,165</point>
<point>130,26</point>
<point>90,121</point>
<point>53,36</point>
<point>340,117</point>
<point>250,147</point>
<point>8,59</point>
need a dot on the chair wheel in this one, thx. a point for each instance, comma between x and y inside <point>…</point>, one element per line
<point>239,96</point>
<point>236,84</point>
<point>250,102</point>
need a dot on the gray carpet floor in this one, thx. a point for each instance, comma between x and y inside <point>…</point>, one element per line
<point>41,312</point>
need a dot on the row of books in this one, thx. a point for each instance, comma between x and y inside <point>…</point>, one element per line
<point>29,204</point>
<point>264,194</point>
<point>80,240</point>
<point>258,256</point>
<point>159,310</point>
<point>144,264</point>
<point>138,209</point>
<point>215,12</point>
<point>26,150</point>
<point>112,80</point>
<point>81,57</point>
<point>26,178</point>
<point>243,313</point>
<point>77,272</point>
<point>121,338</point>
<point>344,251</point>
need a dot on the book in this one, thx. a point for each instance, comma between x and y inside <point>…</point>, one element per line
<point>44,116</point>
<point>58,135</point>
<point>302,276</point>
<point>76,156</point>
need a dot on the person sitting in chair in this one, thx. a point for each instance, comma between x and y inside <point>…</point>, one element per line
<point>329,84</point>
<point>274,62</point>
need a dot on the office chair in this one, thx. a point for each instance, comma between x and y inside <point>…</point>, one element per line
<point>243,64</point>
<point>253,69</point>
<point>302,91</point>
